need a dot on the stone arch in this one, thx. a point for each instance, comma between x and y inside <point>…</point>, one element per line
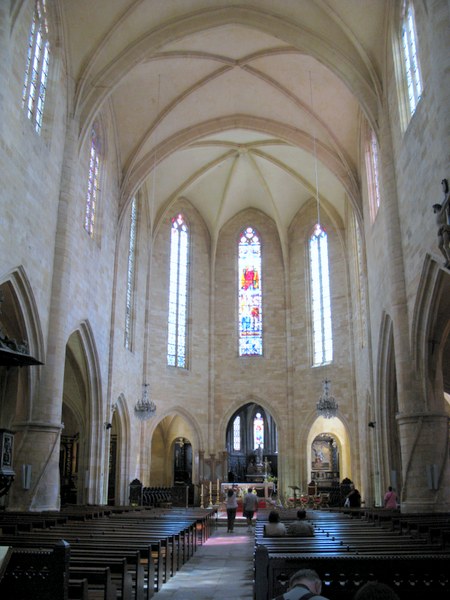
<point>82,383</point>
<point>161,433</point>
<point>19,321</point>
<point>339,430</point>
<point>121,428</point>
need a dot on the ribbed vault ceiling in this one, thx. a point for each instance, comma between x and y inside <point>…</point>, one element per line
<point>231,104</point>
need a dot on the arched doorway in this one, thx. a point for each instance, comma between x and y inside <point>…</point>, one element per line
<point>252,444</point>
<point>182,461</point>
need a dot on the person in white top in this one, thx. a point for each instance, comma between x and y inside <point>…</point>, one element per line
<point>274,528</point>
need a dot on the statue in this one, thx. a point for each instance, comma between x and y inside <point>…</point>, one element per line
<point>259,455</point>
<point>442,213</point>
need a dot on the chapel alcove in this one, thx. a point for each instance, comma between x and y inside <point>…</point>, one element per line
<point>252,444</point>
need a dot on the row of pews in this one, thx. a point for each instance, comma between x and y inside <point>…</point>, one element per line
<point>410,553</point>
<point>98,554</point>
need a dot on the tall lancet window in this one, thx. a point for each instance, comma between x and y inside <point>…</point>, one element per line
<point>237,434</point>
<point>320,297</point>
<point>129,307</point>
<point>93,186</point>
<point>258,430</point>
<point>410,57</point>
<point>250,294</point>
<point>36,70</point>
<point>178,293</point>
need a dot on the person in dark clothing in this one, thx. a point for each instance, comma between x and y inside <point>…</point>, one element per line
<point>354,497</point>
<point>375,590</point>
<point>231,504</point>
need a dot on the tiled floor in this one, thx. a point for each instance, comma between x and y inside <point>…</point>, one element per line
<point>220,569</point>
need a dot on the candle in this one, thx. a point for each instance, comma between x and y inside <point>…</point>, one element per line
<point>217,485</point>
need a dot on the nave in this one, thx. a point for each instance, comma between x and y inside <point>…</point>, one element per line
<point>131,553</point>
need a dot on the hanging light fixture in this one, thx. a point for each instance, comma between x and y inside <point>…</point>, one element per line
<point>327,407</point>
<point>145,408</point>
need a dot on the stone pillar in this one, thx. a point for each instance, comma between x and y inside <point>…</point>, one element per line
<point>424,443</point>
<point>201,465</point>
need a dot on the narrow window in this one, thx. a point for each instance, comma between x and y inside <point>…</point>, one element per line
<point>93,182</point>
<point>237,434</point>
<point>130,275</point>
<point>250,296</point>
<point>258,431</point>
<point>178,293</point>
<point>373,179</point>
<point>320,297</point>
<point>410,58</point>
<point>361,287</point>
<point>36,70</point>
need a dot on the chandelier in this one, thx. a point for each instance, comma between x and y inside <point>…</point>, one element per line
<point>327,406</point>
<point>145,408</point>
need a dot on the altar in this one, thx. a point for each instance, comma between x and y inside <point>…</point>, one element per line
<point>264,489</point>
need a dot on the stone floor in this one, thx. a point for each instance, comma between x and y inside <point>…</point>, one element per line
<point>220,569</point>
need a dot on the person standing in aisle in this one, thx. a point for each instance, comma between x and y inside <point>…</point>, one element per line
<point>390,499</point>
<point>250,506</point>
<point>231,504</point>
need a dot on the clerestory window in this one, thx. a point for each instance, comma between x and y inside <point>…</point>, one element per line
<point>93,181</point>
<point>178,292</point>
<point>320,297</point>
<point>249,293</point>
<point>36,70</point>
<point>129,304</point>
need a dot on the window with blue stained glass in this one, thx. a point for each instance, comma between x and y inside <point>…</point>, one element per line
<point>250,294</point>
<point>320,297</point>
<point>178,293</point>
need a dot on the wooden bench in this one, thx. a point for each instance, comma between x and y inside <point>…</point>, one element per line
<point>411,576</point>
<point>37,573</point>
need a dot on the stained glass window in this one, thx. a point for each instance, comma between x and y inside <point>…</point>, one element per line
<point>178,293</point>
<point>237,434</point>
<point>130,274</point>
<point>93,182</point>
<point>36,70</point>
<point>320,297</point>
<point>410,58</point>
<point>250,294</point>
<point>258,431</point>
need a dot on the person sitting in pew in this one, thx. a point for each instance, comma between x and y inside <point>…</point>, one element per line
<point>300,528</point>
<point>303,584</point>
<point>376,590</point>
<point>274,528</point>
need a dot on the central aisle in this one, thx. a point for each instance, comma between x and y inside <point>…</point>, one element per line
<point>220,569</point>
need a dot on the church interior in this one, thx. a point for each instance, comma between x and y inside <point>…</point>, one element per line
<point>225,250</point>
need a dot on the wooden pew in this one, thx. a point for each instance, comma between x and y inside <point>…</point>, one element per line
<point>411,576</point>
<point>119,576</point>
<point>78,589</point>
<point>37,573</point>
